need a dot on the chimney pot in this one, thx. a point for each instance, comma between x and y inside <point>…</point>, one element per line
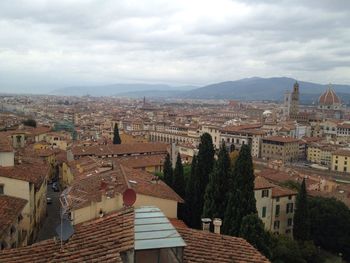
<point>217,225</point>
<point>206,224</point>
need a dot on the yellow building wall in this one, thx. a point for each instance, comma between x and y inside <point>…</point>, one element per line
<point>21,189</point>
<point>108,205</point>
<point>341,163</point>
<point>168,207</point>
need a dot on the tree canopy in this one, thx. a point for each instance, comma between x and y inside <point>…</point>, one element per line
<point>30,123</point>
<point>301,228</point>
<point>330,225</point>
<point>215,199</point>
<point>116,136</point>
<point>168,171</point>
<point>241,198</point>
<point>179,179</point>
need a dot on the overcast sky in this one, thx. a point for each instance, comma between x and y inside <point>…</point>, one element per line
<point>49,44</point>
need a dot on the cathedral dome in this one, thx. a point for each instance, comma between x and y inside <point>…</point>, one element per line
<point>329,98</point>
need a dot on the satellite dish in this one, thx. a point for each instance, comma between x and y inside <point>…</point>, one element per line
<point>65,230</point>
<point>129,197</point>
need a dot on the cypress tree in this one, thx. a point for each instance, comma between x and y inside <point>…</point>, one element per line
<point>190,198</point>
<point>241,194</point>
<point>205,163</point>
<point>179,179</point>
<point>252,229</point>
<point>215,199</point>
<point>116,137</point>
<point>301,228</point>
<point>168,171</point>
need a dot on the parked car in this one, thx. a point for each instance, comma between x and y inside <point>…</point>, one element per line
<point>48,200</point>
<point>55,187</point>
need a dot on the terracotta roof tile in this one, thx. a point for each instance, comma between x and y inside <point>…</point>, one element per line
<point>100,240</point>
<point>120,149</point>
<point>10,209</point>
<point>30,172</point>
<point>206,247</point>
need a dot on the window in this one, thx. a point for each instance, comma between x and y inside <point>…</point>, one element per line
<point>265,193</point>
<point>289,197</point>
<point>277,213</point>
<point>263,212</point>
<point>1,189</point>
<point>336,167</point>
<point>290,221</point>
<point>276,224</point>
<point>277,199</point>
<point>345,169</point>
<point>290,207</point>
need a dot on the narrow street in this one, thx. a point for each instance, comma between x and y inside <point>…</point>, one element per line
<point>53,216</point>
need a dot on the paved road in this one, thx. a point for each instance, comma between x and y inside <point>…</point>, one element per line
<point>53,216</point>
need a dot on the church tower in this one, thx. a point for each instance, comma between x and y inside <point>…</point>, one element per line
<point>294,102</point>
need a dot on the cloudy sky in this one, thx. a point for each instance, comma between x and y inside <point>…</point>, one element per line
<point>49,44</point>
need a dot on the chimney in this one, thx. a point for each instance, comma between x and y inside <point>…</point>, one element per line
<point>206,224</point>
<point>217,225</point>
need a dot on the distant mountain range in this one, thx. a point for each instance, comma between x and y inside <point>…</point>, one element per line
<point>119,89</point>
<point>244,89</point>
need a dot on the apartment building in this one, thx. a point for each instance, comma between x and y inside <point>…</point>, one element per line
<point>275,206</point>
<point>341,161</point>
<point>285,149</point>
<point>320,153</point>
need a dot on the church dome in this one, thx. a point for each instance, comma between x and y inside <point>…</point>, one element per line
<point>329,98</point>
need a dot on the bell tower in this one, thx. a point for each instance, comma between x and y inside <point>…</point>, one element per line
<point>294,103</point>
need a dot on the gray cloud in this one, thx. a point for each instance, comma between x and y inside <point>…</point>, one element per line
<point>49,44</point>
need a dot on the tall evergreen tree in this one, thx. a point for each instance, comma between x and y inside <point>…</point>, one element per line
<point>116,137</point>
<point>205,163</point>
<point>252,229</point>
<point>190,203</point>
<point>301,228</point>
<point>179,179</point>
<point>168,171</point>
<point>241,194</point>
<point>215,199</point>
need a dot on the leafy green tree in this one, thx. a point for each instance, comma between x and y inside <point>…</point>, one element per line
<point>190,198</point>
<point>205,163</point>
<point>241,199</point>
<point>330,225</point>
<point>286,250</point>
<point>168,171</point>
<point>215,199</point>
<point>116,137</point>
<point>301,228</point>
<point>30,123</point>
<point>252,230</point>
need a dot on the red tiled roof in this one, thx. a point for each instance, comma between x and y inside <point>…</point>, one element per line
<point>262,183</point>
<point>206,247</point>
<point>281,139</point>
<point>5,144</point>
<point>342,152</point>
<point>329,98</point>
<point>279,191</point>
<point>141,161</point>
<point>100,240</point>
<point>120,149</point>
<point>10,209</point>
<point>30,172</point>
<point>87,188</point>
